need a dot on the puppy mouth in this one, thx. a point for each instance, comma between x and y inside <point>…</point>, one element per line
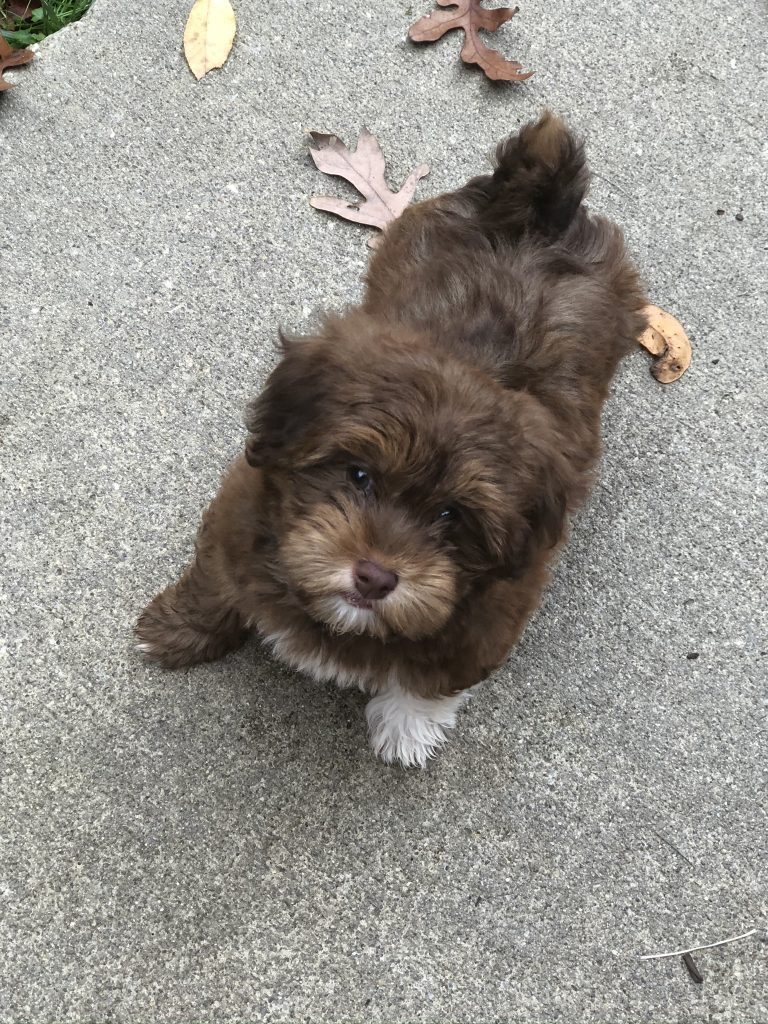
<point>357,600</point>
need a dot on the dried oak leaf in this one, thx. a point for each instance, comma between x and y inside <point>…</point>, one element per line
<point>665,338</point>
<point>472,17</point>
<point>364,169</point>
<point>10,58</point>
<point>208,35</point>
<point>19,8</point>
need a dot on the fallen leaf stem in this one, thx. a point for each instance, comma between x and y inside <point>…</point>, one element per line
<point>694,949</point>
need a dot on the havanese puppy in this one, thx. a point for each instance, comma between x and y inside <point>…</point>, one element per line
<point>409,471</point>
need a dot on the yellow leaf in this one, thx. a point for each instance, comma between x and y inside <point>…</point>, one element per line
<point>208,35</point>
<point>665,338</point>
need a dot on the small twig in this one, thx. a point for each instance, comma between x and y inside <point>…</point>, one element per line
<point>694,949</point>
<point>608,181</point>
<point>693,970</point>
<point>667,842</point>
<point>671,845</point>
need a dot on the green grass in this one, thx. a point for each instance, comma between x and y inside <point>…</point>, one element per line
<point>22,26</point>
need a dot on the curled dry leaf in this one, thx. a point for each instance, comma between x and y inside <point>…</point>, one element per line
<point>208,35</point>
<point>19,8</point>
<point>665,338</point>
<point>470,16</point>
<point>10,58</point>
<point>364,169</point>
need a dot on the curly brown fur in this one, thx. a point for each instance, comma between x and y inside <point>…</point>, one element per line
<point>442,431</point>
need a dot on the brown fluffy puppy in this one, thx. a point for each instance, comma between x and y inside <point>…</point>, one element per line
<point>410,470</point>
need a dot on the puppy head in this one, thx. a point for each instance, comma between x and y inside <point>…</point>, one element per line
<point>398,479</point>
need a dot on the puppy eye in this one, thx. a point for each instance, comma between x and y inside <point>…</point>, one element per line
<point>361,478</point>
<point>447,515</point>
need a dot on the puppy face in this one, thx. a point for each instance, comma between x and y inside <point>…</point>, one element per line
<point>398,480</point>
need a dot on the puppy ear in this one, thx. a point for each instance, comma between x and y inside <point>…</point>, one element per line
<point>546,516</point>
<point>550,484</point>
<point>289,404</point>
<point>540,527</point>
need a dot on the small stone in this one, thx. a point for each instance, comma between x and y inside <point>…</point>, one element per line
<point>692,656</point>
<point>739,217</point>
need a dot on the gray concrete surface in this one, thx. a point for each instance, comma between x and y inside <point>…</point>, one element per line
<point>220,845</point>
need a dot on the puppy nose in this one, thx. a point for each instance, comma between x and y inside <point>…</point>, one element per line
<point>373,581</point>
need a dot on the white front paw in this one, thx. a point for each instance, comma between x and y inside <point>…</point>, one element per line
<point>407,728</point>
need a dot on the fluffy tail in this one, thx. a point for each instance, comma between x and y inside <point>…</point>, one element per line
<point>540,180</point>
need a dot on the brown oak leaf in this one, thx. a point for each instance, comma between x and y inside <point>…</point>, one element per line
<point>364,169</point>
<point>10,58</point>
<point>470,16</point>
<point>19,8</point>
<point>665,338</point>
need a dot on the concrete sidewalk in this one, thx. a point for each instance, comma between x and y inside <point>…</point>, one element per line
<point>220,845</point>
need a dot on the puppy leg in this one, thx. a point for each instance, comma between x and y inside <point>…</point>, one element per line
<point>407,728</point>
<point>190,621</point>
